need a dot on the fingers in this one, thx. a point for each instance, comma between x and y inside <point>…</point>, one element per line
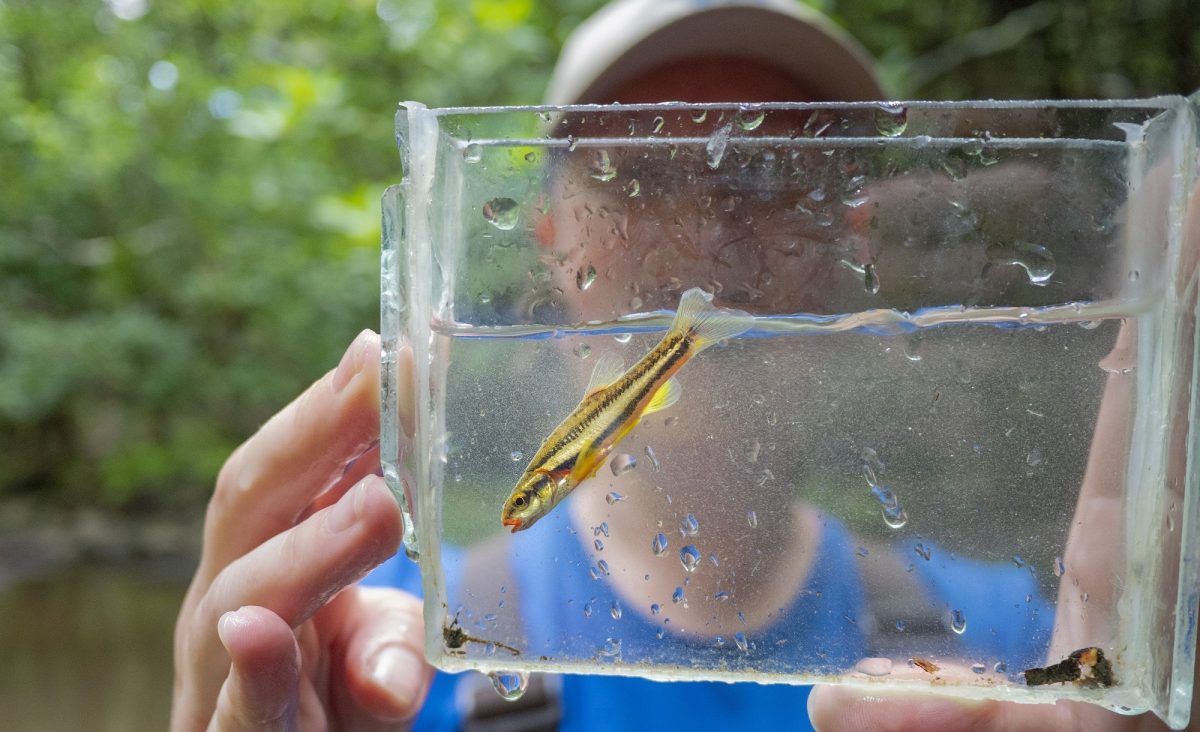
<point>841,709</point>
<point>261,690</point>
<point>377,636</point>
<point>291,575</point>
<point>268,481</point>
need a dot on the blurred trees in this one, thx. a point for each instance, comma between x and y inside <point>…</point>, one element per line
<point>189,197</point>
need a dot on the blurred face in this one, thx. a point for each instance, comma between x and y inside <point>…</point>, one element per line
<point>644,225</point>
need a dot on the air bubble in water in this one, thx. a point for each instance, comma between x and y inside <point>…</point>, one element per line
<point>699,116</point>
<point>689,557</point>
<point>978,668</point>
<point>583,350</point>
<point>1035,259</point>
<point>585,277</point>
<point>510,685</point>
<point>657,125</point>
<point>622,464</point>
<point>614,497</point>
<point>599,545</point>
<point>501,213</point>
<point>611,648</point>
<point>516,456</point>
<point>1034,458</point>
<point>659,545</point>
<point>623,337</point>
<point>655,608</point>
<point>891,119</point>
<point>615,610</point>
<point>958,621</point>
<point>689,526</point>
<point>1000,667</point>
<point>752,519</point>
<point>1059,568</point>
<point>750,119</point>
<point>722,596</point>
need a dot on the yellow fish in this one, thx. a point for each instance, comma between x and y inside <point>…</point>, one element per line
<point>613,405</point>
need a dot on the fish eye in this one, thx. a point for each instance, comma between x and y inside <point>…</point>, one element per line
<point>519,501</point>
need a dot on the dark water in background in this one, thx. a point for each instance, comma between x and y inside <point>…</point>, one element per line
<point>89,647</point>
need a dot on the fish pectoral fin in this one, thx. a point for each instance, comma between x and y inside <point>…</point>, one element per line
<point>588,464</point>
<point>555,475</point>
<point>608,369</point>
<point>666,395</point>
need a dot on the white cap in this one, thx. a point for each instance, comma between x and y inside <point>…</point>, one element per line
<point>628,38</point>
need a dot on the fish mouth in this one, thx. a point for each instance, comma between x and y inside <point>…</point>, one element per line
<point>515,523</point>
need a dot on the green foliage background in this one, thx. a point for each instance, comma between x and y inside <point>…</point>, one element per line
<point>189,189</point>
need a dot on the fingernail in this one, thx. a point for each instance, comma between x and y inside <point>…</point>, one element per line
<point>397,670</point>
<point>352,361</point>
<point>228,623</point>
<point>348,510</point>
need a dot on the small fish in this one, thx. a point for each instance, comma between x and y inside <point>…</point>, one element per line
<point>613,405</point>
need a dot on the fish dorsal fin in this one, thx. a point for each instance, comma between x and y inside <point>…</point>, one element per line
<point>666,395</point>
<point>607,370</point>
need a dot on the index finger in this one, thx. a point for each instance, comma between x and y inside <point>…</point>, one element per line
<point>269,481</point>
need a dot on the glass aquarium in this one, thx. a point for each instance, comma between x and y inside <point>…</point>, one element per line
<point>926,420</point>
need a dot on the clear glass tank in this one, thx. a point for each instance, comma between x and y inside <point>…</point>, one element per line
<point>956,450</point>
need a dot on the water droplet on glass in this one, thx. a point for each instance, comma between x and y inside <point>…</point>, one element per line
<point>657,125</point>
<point>923,551</point>
<point>715,147</point>
<point>689,526</point>
<point>1034,458</point>
<point>722,596</point>
<point>870,279</point>
<point>1017,560</point>
<point>895,518</point>
<point>699,116</point>
<point>501,213</point>
<point>655,608</point>
<point>635,188</point>
<point>874,666</point>
<point>958,621</point>
<point>623,337</point>
<point>622,463</point>
<point>615,610</point>
<point>677,596</point>
<point>752,519</point>
<point>750,119</point>
<point>1035,259</point>
<point>739,639</point>
<point>689,557</point>
<point>1059,568</point>
<point>978,668</point>
<point>516,456</point>
<point>659,544</point>
<point>1089,324</point>
<point>712,559</point>
<point>899,626</point>
<point>601,529</point>
<point>602,566</point>
<point>602,168</point>
<point>583,350</point>
<point>599,545</point>
<point>891,119</point>
<point>472,153</point>
<point>1000,667</point>
<point>611,648</point>
<point>614,497</point>
<point>1133,275</point>
<point>585,277</point>
<point>510,685</point>
<point>653,457</point>
<point>530,157</point>
<point>485,297</point>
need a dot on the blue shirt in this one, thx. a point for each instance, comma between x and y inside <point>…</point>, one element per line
<point>829,606</point>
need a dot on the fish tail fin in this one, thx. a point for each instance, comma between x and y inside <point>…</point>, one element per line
<point>706,323</point>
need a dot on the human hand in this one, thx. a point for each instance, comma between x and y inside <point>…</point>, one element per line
<point>272,634</point>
